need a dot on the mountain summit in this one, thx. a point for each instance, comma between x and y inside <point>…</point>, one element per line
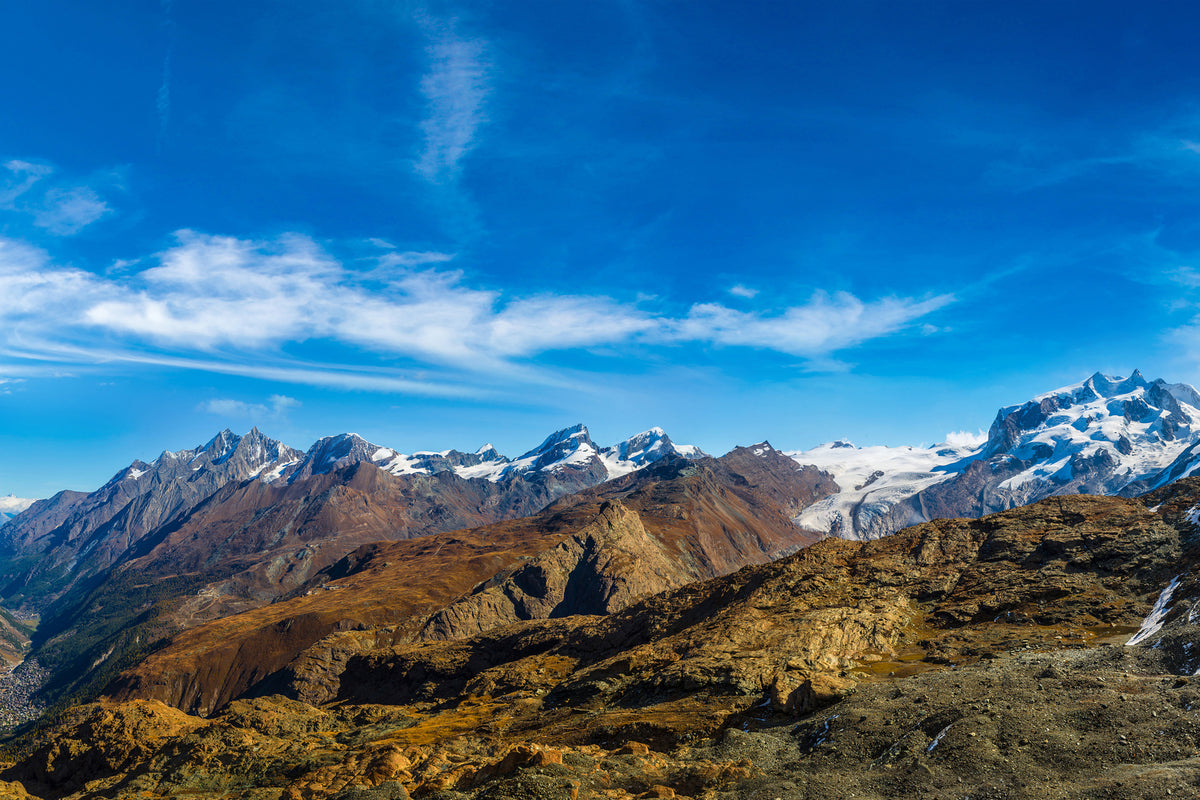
<point>1104,435</point>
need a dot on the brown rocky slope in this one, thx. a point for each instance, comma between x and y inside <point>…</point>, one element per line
<point>957,658</point>
<point>596,554</point>
<point>251,543</point>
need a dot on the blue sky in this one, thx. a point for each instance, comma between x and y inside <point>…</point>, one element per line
<point>443,224</point>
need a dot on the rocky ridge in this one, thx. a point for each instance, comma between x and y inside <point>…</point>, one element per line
<point>254,543</point>
<point>243,520</point>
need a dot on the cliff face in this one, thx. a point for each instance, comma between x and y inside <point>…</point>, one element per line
<point>604,567</point>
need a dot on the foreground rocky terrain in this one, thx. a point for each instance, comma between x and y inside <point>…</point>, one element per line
<point>959,658</point>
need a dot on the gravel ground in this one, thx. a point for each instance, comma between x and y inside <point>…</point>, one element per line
<point>1104,724</point>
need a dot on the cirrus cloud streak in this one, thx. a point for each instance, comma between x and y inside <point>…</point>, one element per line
<point>229,304</point>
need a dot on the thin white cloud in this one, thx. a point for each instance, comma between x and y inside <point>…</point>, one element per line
<point>824,324</point>
<point>1169,154</point>
<point>65,212</point>
<point>739,290</point>
<point>455,88</point>
<point>60,208</point>
<point>415,258</point>
<point>1184,276</point>
<point>22,175</point>
<point>231,305</point>
<point>37,295</point>
<point>277,405</point>
<point>281,403</point>
<point>232,408</point>
<point>211,291</point>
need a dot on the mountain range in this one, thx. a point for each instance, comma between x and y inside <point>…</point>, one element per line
<point>350,621</point>
<point>55,543</point>
<point>1104,435</point>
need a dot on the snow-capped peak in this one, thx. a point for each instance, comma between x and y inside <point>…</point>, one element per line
<point>1106,435</point>
<point>568,447</point>
<point>642,449</point>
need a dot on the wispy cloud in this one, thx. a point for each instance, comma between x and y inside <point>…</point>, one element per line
<point>62,208</point>
<point>740,290</point>
<point>231,305</point>
<point>824,324</point>
<point>65,212</point>
<point>162,98</point>
<point>276,406</point>
<point>22,175</point>
<point>1169,154</point>
<point>415,259</point>
<point>455,88</point>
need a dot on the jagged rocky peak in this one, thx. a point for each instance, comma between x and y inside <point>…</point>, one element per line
<point>237,457</point>
<point>331,452</point>
<point>569,445</point>
<point>488,452</point>
<point>221,446</point>
<point>257,446</point>
<point>643,448</point>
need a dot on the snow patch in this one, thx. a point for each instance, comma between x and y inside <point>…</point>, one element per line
<point>1153,622</point>
<point>937,739</point>
<point>873,480</point>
